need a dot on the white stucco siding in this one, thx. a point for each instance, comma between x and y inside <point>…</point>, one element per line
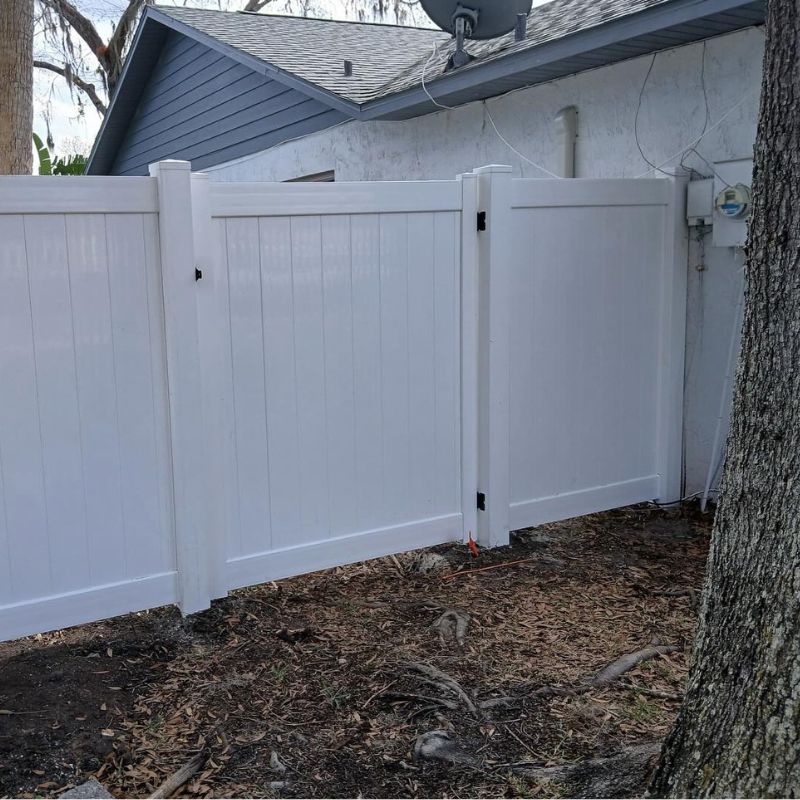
<point>673,113</point>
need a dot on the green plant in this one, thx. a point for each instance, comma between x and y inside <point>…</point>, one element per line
<point>43,153</point>
<point>278,672</point>
<point>71,165</point>
<point>336,697</point>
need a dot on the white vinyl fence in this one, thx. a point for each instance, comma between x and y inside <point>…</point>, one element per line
<point>596,343</point>
<point>204,386</point>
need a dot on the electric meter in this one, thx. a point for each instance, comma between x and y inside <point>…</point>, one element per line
<point>733,202</point>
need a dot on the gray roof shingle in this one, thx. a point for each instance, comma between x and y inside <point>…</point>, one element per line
<point>546,23</point>
<point>315,49</point>
<point>390,59</point>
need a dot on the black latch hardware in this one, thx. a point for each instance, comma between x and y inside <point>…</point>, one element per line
<point>198,273</point>
<point>481,501</point>
<point>481,220</point>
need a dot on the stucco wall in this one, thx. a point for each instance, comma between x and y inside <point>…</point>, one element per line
<point>672,115</point>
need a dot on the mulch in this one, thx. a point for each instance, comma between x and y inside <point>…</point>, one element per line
<point>312,687</point>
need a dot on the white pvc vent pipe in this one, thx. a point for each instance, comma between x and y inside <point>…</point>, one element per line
<point>567,123</point>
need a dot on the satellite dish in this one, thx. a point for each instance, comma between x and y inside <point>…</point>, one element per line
<point>482,19</point>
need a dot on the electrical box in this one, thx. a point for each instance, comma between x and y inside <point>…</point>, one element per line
<point>732,181</point>
<point>700,202</point>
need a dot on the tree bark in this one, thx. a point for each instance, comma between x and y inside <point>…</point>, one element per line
<point>738,731</point>
<point>16,87</point>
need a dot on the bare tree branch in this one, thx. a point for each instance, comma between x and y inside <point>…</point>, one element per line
<point>118,43</point>
<point>256,5</point>
<point>65,72</point>
<point>82,25</point>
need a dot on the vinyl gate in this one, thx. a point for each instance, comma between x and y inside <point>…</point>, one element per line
<point>207,386</point>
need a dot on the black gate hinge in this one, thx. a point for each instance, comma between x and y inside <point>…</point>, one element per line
<point>481,220</point>
<point>481,501</point>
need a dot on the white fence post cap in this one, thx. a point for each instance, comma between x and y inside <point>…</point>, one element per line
<point>169,163</point>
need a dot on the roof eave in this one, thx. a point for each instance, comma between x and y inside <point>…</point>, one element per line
<point>644,22</point>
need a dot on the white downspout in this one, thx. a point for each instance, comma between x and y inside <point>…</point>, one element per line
<point>567,122</point>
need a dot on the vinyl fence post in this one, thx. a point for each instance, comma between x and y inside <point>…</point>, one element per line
<point>673,340</point>
<point>189,480</point>
<point>495,252</point>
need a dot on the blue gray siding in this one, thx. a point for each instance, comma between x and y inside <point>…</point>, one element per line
<point>204,107</point>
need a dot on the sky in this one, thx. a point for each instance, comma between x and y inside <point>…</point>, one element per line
<point>73,132</point>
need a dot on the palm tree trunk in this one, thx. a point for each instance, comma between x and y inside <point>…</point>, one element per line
<point>16,86</point>
<point>738,731</point>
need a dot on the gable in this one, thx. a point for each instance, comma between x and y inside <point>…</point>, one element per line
<point>205,107</point>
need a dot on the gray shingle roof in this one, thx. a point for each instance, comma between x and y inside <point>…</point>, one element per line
<point>386,58</point>
<point>546,23</point>
<point>315,49</point>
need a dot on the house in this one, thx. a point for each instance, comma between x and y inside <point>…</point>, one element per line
<point>655,83</point>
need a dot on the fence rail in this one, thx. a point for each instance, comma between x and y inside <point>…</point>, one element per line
<point>209,386</point>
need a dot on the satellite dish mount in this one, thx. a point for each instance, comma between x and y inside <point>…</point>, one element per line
<point>465,21</point>
<point>477,19</point>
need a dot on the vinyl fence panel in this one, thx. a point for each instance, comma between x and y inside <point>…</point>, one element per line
<point>84,457</point>
<point>592,285</point>
<point>344,373</point>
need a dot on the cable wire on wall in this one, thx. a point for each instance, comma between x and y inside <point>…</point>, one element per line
<point>500,136</point>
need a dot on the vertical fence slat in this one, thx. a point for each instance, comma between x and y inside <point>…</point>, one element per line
<point>59,416</point>
<point>422,400</point>
<point>309,365</point>
<point>22,470</point>
<point>337,293</point>
<point>394,362</point>
<point>97,396</point>
<point>447,371</point>
<point>277,302</point>
<point>367,385</point>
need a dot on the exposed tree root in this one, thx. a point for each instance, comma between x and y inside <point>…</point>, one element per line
<point>439,746</point>
<point>452,625</point>
<point>442,680</point>
<point>627,662</point>
<point>608,674</point>
<point>622,774</point>
<point>182,776</point>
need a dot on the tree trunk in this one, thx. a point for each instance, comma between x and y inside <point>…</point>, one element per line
<point>16,86</point>
<point>738,731</point>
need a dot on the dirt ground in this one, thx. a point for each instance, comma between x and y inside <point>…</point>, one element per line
<point>320,686</point>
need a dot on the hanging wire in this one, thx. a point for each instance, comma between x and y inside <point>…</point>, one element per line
<point>636,117</point>
<point>708,130</point>
<point>500,136</point>
<point>514,149</point>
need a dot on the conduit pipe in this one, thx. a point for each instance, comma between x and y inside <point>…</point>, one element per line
<point>567,123</point>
